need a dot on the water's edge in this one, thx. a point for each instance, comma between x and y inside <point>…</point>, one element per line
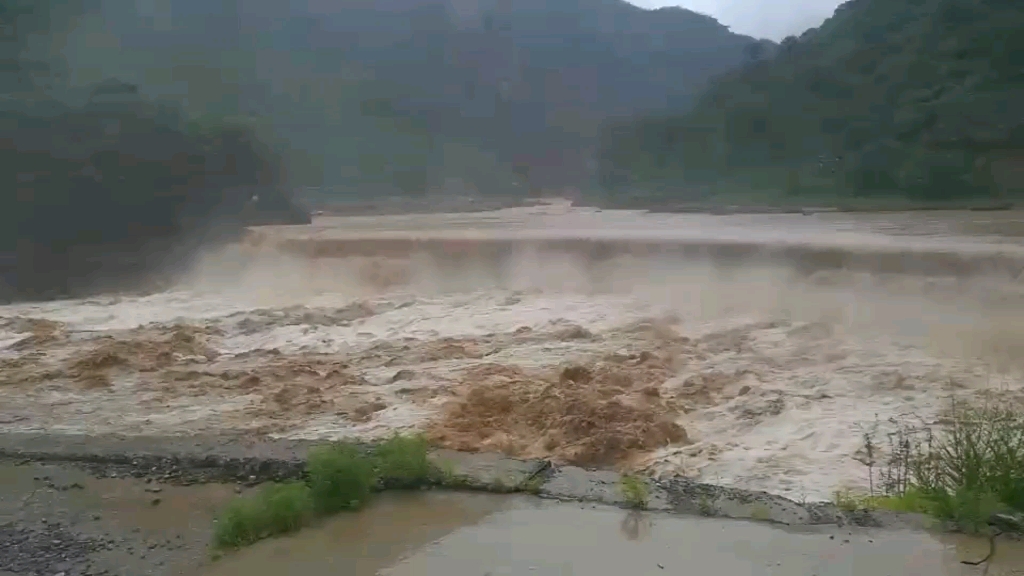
<point>206,459</point>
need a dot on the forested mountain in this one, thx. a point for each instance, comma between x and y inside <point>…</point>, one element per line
<point>407,93</point>
<point>918,98</point>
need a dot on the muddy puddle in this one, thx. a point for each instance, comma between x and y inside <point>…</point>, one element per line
<point>60,520</point>
<point>367,542</point>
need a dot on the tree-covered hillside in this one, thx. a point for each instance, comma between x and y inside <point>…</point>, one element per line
<point>921,99</point>
<point>406,93</point>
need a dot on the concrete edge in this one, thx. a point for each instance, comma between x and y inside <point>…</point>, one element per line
<point>200,459</point>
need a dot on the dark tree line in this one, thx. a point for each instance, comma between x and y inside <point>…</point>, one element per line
<point>101,192</point>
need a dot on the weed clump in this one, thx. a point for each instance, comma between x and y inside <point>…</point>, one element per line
<point>274,510</point>
<point>402,461</point>
<point>341,477</point>
<point>964,470</point>
<point>635,491</point>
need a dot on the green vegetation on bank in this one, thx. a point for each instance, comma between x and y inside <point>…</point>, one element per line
<point>339,477</point>
<point>922,100</point>
<point>402,462</point>
<point>964,470</point>
<point>635,491</point>
<point>276,509</point>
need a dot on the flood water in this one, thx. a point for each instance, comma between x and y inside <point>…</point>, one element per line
<point>775,341</point>
<point>474,535</point>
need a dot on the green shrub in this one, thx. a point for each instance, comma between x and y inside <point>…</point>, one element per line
<point>289,507</point>
<point>274,510</point>
<point>966,470</point>
<point>635,491</point>
<point>402,461</point>
<point>341,477</point>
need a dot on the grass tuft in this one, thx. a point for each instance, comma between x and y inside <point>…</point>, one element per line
<point>533,485</point>
<point>446,474</point>
<point>635,491</point>
<point>274,510</point>
<point>341,477</point>
<point>402,461</point>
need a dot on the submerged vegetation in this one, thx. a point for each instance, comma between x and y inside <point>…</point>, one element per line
<point>967,470</point>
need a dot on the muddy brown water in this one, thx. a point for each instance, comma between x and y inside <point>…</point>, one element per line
<point>366,542</point>
<point>463,535</point>
<point>778,339</point>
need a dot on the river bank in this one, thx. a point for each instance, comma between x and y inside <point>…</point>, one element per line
<point>145,505</point>
<point>189,460</point>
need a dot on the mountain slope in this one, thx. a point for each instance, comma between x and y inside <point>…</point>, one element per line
<point>923,99</point>
<point>365,90</point>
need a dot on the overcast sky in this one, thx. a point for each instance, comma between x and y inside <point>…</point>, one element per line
<point>774,19</point>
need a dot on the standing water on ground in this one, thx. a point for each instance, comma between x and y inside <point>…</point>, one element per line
<point>526,537</point>
<point>362,543</point>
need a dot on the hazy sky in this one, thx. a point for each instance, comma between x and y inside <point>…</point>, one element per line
<point>774,19</point>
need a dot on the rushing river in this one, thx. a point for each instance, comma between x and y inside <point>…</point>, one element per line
<point>747,350</point>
